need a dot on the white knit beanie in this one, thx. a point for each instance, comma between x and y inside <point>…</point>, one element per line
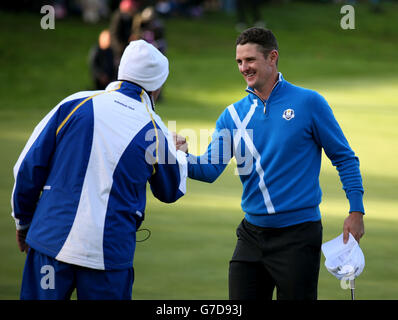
<point>144,65</point>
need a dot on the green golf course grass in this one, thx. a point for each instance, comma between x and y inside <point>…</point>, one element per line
<point>192,240</point>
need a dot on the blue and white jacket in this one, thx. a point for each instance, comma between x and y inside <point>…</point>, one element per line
<point>278,146</point>
<point>80,182</point>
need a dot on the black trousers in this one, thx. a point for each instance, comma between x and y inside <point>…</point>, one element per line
<point>287,259</point>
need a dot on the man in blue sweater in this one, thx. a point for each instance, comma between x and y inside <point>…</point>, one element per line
<point>276,134</point>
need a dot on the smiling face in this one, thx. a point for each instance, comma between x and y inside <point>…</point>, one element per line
<point>257,70</point>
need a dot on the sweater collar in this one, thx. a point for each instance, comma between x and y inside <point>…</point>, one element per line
<point>277,84</point>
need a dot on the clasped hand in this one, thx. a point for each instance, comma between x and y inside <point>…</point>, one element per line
<point>180,142</point>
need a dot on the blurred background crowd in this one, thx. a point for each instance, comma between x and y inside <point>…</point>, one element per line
<point>143,19</point>
<point>136,19</point>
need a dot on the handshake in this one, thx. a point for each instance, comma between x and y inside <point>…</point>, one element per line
<point>180,142</point>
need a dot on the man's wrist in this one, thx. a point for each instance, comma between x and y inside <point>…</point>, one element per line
<point>355,212</point>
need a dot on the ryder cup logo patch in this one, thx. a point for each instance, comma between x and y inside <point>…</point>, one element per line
<point>288,114</point>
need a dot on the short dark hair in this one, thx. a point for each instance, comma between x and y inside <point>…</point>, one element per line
<point>263,37</point>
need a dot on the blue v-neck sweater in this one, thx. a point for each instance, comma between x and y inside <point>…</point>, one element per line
<point>278,146</point>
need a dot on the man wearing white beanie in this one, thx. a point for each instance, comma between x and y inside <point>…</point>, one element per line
<point>80,183</point>
<point>144,65</point>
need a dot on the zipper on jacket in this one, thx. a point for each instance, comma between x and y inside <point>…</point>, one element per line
<point>265,101</point>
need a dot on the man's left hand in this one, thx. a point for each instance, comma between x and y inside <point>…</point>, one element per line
<point>353,224</point>
<point>21,236</point>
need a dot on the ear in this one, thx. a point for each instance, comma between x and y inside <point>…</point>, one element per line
<point>155,94</point>
<point>273,56</point>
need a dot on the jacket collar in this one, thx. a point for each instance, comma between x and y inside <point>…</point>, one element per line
<point>132,90</point>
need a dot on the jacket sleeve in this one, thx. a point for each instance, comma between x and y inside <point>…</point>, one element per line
<point>168,182</point>
<point>31,170</point>
<point>328,134</point>
<point>209,166</point>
